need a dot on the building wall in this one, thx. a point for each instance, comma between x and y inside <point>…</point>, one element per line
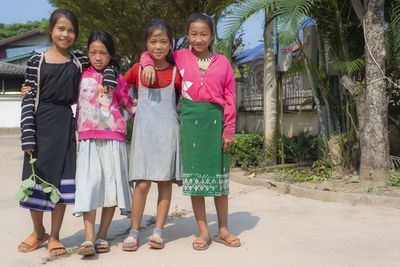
<point>250,123</point>
<point>10,112</point>
<point>293,124</point>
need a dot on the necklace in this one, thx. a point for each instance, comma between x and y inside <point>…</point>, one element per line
<point>206,59</point>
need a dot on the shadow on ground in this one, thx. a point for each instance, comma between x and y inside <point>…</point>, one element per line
<point>175,229</point>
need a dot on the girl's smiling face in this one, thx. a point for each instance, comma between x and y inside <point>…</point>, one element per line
<point>99,56</point>
<point>200,37</point>
<point>158,45</point>
<point>63,33</point>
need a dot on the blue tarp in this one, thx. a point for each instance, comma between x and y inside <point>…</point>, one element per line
<point>258,51</point>
<point>251,55</point>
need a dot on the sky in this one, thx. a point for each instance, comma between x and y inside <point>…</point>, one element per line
<point>21,11</point>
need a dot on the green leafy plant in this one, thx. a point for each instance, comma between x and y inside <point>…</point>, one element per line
<point>247,151</point>
<point>394,179</point>
<point>24,190</point>
<point>300,148</point>
<point>320,170</point>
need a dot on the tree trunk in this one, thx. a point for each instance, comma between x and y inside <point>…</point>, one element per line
<point>315,97</point>
<point>374,138</point>
<point>270,90</point>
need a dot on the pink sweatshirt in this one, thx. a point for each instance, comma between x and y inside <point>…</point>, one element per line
<point>98,113</point>
<point>217,85</point>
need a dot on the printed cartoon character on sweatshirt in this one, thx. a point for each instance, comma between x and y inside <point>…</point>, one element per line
<point>87,100</point>
<point>106,120</point>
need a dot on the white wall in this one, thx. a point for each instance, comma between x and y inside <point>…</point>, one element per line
<point>294,124</point>
<point>10,112</point>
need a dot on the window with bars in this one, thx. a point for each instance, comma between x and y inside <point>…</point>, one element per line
<point>252,89</point>
<point>296,97</point>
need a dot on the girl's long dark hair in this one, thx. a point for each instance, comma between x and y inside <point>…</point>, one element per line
<point>163,25</point>
<point>108,42</point>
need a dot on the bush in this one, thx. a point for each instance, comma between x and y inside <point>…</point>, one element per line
<point>247,151</point>
<point>300,148</point>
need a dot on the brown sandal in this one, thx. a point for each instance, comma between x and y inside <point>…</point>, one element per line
<point>33,243</point>
<point>228,240</point>
<point>200,244</point>
<point>55,245</point>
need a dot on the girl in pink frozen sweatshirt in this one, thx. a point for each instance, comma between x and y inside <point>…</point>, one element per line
<point>207,125</point>
<point>102,166</point>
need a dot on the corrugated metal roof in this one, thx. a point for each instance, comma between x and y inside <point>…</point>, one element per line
<point>19,37</point>
<point>11,70</point>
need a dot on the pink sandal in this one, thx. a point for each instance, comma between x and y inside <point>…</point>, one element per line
<point>130,244</point>
<point>156,241</point>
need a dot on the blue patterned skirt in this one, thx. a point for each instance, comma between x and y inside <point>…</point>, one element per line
<point>40,201</point>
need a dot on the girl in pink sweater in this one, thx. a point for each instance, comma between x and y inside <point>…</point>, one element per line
<point>208,125</point>
<point>102,166</point>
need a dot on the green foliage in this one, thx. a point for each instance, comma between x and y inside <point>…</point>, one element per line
<point>290,17</point>
<point>300,148</point>
<point>296,67</point>
<point>348,66</point>
<point>24,191</point>
<point>247,151</point>
<point>320,170</point>
<point>394,179</point>
<point>17,28</point>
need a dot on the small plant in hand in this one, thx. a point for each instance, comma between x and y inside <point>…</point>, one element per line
<point>24,190</point>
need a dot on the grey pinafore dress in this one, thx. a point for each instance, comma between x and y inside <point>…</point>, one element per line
<point>155,149</point>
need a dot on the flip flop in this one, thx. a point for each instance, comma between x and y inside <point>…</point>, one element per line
<point>33,243</point>
<point>101,246</point>
<point>55,245</point>
<point>227,241</point>
<point>201,243</point>
<point>156,241</point>
<point>86,249</point>
<point>130,244</point>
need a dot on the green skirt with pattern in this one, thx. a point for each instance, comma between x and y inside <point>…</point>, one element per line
<point>205,165</point>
